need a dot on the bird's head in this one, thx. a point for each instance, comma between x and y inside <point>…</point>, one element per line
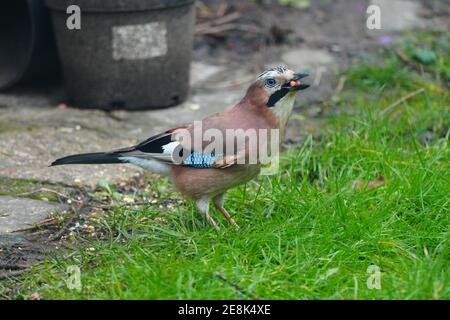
<point>278,82</point>
<point>274,84</point>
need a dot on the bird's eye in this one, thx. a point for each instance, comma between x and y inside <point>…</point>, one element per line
<point>271,82</point>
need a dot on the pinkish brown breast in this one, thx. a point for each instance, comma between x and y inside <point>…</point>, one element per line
<point>196,183</point>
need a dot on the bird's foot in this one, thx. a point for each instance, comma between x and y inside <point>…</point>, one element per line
<point>229,218</point>
<point>212,222</point>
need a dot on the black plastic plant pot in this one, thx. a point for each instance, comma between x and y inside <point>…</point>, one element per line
<point>27,45</point>
<point>127,54</point>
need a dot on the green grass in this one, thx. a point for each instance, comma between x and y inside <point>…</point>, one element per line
<point>309,232</point>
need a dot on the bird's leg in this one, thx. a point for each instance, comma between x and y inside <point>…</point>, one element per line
<point>218,203</point>
<point>203,207</point>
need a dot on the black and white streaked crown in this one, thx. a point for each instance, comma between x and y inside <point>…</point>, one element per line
<point>273,71</point>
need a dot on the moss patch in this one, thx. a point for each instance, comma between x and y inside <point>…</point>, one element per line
<point>32,189</point>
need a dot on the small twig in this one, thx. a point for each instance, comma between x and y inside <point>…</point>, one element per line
<point>229,27</point>
<point>340,85</point>
<point>403,56</point>
<point>222,9</point>
<point>114,116</point>
<point>60,233</point>
<point>109,206</point>
<point>40,232</point>
<point>37,225</point>
<point>318,76</point>
<point>51,191</point>
<point>401,100</point>
<point>199,28</point>
<point>406,60</point>
<point>235,285</point>
<point>13,273</point>
<point>226,19</point>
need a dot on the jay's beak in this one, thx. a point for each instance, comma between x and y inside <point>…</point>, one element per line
<point>298,76</point>
<point>295,84</point>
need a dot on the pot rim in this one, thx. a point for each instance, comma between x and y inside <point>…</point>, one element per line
<point>111,6</point>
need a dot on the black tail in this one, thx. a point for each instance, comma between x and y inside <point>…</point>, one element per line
<point>89,158</point>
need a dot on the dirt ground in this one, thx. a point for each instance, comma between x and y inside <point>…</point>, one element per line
<point>278,26</point>
<point>338,26</point>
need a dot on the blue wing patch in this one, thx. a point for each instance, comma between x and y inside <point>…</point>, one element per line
<point>200,160</point>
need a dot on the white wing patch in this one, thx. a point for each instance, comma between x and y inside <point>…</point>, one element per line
<point>170,147</point>
<point>148,164</point>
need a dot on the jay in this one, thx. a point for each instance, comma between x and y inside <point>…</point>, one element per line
<point>202,173</point>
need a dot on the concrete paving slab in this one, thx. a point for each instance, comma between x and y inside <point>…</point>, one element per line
<point>398,15</point>
<point>19,213</point>
<point>321,65</point>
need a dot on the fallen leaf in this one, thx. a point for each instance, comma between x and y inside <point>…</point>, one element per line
<point>34,296</point>
<point>425,56</point>
<point>359,184</point>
